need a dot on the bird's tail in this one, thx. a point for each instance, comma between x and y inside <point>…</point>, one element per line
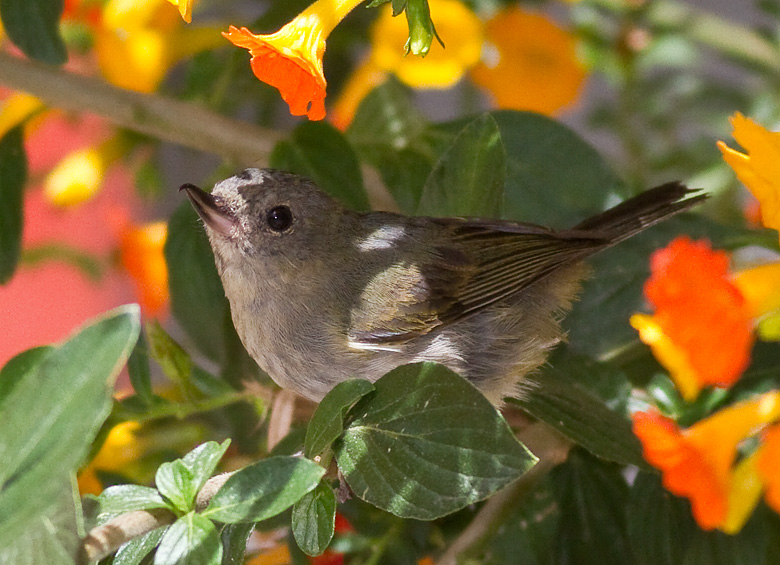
<point>642,211</point>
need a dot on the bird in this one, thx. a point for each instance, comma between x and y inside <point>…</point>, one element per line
<point>320,293</point>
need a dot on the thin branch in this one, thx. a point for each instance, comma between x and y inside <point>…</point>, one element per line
<point>106,539</point>
<point>184,123</point>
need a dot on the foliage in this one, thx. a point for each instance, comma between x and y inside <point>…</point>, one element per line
<point>397,470</point>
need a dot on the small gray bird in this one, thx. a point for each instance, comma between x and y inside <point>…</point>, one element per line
<point>320,294</point>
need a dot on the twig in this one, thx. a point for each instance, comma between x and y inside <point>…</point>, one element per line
<point>171,120</point>
<point>106,539</point>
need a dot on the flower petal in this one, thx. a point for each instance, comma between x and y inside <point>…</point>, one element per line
<point>299,80</point>
<point>685,472</point>
<point>529,63</point>
<point>759,169</point>
<point>700,310</point>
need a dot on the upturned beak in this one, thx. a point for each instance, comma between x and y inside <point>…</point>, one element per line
<point>214,215</point>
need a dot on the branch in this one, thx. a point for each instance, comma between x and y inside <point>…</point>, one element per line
<point>103,540</point>
<point>184,123</point>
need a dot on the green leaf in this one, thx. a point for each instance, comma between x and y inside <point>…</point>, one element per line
<point>264,489</point>
<point>180,481</point>
<point>234,538</point>
<point>314,520</point>
<point>139,373</point>
<point>174,361</point>
<point>319,151</point>
<point>193,280</point>
<point>19,366</point>
<point>327,423</point>
<point>13,176</point>
<point>528,533</point>
<point>134,551</point>
<point>33,26</point>
<point>427,443</point>
<point>660,525</point>
<point>51,537</point>
<point>54,412</point>
<point>560,402</point>
<point>191,540</point>
<point>553,177</point>
<point>119,499</point>
<point>386,132</point>
<point>592,497</point>
<point>748,547</point>
<point>468,180</point>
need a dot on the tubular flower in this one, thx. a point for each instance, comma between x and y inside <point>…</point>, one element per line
<point>141,255</point>
<point>702,330</point>
<point>759,169</point>
<point>529,63</point>
<point>291,59</point>
<point>459,28</point>
<point>699,462</point>
<point>185,8</point>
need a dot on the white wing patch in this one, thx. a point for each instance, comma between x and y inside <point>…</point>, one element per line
<point>382,238</point>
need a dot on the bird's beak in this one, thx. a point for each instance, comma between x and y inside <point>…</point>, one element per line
<point>214,215</point>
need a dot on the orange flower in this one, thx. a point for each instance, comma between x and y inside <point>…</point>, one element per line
<point>291,58</point>
<point>759,169</point>
<point>702,331</point>
<point>698,462</point>
<point>529,63</point>
<point>141,255</point>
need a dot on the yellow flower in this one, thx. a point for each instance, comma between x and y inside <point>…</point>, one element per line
<point>185,8</point>
<point>138,42</point>
<point>761,288</point>
<point>120,448</point>
<point>78,177</point>
<point>18,108</point>
<point>699,462</point>
<point>291,58</point>
<point>529,63</point>
<point>460,30</point>
<point>759,168</point>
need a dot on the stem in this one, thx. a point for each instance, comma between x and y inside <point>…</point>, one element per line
<point>171,120</point>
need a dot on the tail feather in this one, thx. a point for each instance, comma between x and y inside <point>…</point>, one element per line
<point>642,211</point>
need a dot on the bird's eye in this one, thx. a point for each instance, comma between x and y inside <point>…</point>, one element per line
<point>279,218</point>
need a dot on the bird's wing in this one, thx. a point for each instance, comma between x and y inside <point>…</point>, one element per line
<point>479,265</point>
